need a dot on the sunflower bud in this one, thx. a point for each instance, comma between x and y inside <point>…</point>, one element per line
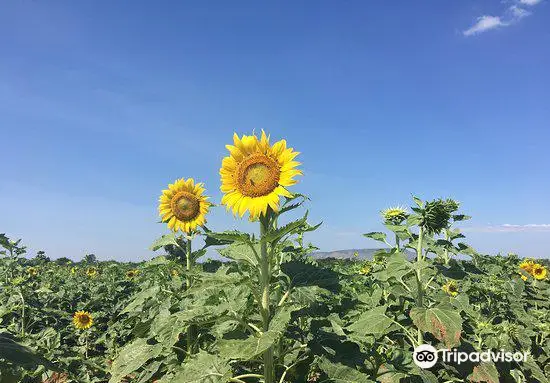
<point>395,215</point>
<point>435,216</point>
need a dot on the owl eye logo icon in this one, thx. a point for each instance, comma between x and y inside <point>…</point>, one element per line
<point>425,356</point>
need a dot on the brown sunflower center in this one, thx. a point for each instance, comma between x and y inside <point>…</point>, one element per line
<point>185,206</point>
<point>257,175</point>
<point>84,319</point>
<point>537,270</point>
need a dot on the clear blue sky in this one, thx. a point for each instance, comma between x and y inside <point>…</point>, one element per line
<point>102,103</point>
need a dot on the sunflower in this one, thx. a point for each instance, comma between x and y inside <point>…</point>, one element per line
<point>174,273</point>
<point>131,274</point>
<point>255,174</point>
<point>91,271</point>
<point>82,320</point>
<point>365,270</point>
<point>539,272</point>
<point>527,265</point>
<point>183,206</point>
<point>32,271</point>
<point>395,215</point>
<point>451,288</point>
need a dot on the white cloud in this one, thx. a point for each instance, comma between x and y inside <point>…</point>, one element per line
<point>484,23</point>
<point>530,2</point>
<point>509,228</point>
<point>518,13</point>
<point>511,15</point>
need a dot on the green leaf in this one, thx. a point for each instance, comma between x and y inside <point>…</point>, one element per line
<point>376,235</point>
<point>249,348</point>
<point>225,238</point>
<point>165,240</point>
<point>372,322</point>
<point>461,217</point>
<point>277,234</point>
<point>535,370</point>
<point>418,202</point>
<point>203,368</point>
<point>140,299</point>
<point>444,323</point>
<point>340,373</point>
<point>241,252</point>
<point>484,373</point>
<point>132,357</point>
<point>161,260</point>
<point>20,355</point>
<point>402,232</point>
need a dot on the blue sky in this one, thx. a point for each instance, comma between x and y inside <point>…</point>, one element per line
<point>103,103</point>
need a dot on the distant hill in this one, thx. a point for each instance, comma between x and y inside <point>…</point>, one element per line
<point>366,254</point>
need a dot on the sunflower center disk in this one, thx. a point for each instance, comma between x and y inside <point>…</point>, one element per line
<point>257,175</point>
<point>185,206</point>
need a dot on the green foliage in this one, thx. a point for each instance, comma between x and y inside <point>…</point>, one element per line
<point>324,320</point>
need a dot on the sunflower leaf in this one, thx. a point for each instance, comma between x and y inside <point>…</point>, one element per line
<point>280,232</point>
<point>376,235</point>
<point>225,238</point>
<point>21,355</point>
<point>165,240</point>
<point>444,323</point>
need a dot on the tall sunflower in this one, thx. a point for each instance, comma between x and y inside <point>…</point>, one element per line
<point>255,174</point>
<point>83,320</point>
<point>183,206</point>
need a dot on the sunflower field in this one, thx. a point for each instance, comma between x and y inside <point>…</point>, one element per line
<point>272,312</point>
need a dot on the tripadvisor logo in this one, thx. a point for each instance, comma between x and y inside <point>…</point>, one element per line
<point>426,356</point>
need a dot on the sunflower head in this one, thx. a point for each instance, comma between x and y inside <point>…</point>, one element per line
<point>32,271</point>
<point>91,271</point>
<point>436,216</point>
<point>82,320</point>
<point>527,265</point>
<point>365,270</point>
<point>451,288</point>
<point>174,273</point>
<point>183,206</point>
<point>256,174</point>
<point>451,205</point>
<point>539,272</point>
<point>395,215</point>
<point>131,274</point>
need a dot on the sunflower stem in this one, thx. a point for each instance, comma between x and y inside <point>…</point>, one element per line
<point>22,314</point>
<point>269,373</point>
<point>86,345</point>
<point>188,265</point>
<point>446,251</point>
<point>420,289</point>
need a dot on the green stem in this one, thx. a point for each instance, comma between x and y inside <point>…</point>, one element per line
<point>397,243</point>
<point>86,346</point>
<point>190,337</point>
<point>446,251</point>
<point>22,314</point>
<point>269,372</point>
<point>420,288</point>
